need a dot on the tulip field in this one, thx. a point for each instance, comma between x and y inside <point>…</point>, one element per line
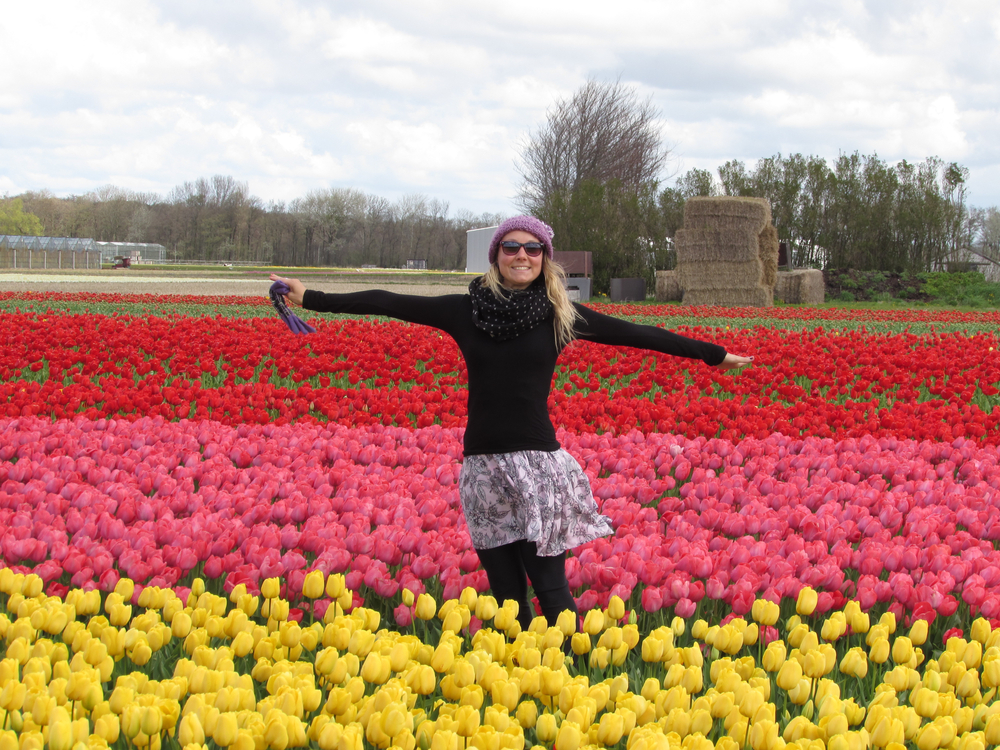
<point>216,534</point>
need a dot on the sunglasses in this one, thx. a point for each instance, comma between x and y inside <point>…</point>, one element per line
<point>534,249</point>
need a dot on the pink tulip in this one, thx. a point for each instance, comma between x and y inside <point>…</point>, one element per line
<point>652,599</point>
<point>108,580</point>
<point>685,608</point>
<point>403,616</point>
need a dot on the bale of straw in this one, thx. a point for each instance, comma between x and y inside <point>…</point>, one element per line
<point>786,287</point>
<point>758,297</point>
<point>717,275</point>
<point>767,241</point>
<point>713,245</point>
<point>668,288</point>
<point>727,212</point>
<point>812,290</point>
<point>801,287</point>
<point>727,252</point>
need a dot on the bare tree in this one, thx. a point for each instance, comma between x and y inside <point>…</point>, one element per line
<point>603,133</point>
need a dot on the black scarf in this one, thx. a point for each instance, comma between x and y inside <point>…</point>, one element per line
<point>514,313</point>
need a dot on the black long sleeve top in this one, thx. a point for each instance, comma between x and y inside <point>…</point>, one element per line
<point>509,380</point>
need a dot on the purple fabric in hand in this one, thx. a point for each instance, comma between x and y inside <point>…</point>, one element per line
<point>277,292</point>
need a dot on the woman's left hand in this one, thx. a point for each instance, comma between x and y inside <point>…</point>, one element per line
<point>733,361</point>
<point>295,289</point>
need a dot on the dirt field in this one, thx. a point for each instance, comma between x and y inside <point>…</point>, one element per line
<point>212,282</point>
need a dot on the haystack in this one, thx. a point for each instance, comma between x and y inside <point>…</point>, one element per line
<point>802,287</point>
<point>727,252</point>
<point>668,289</point>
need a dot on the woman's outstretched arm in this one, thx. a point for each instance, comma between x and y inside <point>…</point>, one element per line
<point>438,312</point>
<point>604,329</point>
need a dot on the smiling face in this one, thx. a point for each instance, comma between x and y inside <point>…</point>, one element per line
<point>519,270</point>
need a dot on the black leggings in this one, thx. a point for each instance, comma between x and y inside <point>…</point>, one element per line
<point>509,568</point>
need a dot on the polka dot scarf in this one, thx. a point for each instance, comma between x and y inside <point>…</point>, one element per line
<point>517,312</point>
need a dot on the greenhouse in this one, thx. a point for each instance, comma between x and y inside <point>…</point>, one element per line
<point>18,251</point>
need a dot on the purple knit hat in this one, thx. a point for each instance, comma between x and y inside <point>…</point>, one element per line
<point>526,224</point>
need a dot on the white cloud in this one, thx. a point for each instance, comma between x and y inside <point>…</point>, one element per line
<point>434,96</point>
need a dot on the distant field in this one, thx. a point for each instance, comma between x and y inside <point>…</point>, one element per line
<point>244,281</point>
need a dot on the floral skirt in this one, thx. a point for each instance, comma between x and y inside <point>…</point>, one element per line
<point>539,496</point>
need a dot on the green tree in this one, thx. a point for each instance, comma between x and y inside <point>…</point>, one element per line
<point>861,213</point>
<point>14,219</point>
<point>622,227</point>
<point>591,172</point>
<point>693,183</point>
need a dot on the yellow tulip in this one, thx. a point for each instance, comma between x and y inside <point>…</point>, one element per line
<point>486,607</point>
<point>972,655</point>
<point>610,729</point>
<point>226,729</point>
<point>600,657</point>
<point>918,632</point>
<point>593,622</point>
<point>929,737</point>
<point>551,681</point>
<point>925,702</point>
<point>992,730</point>
<point>180,625</point>
<point>789,675</point>
<point>336,586</point>
<point>968,684</point>
<point>527,714</point>
<point>190,730</point>
<point>452,621</point>
<point>799,694</point>
<point>765,612</point>
<point>505,693</point>
<point>569,737</point>
<point>567,622</point>
<point>879,652</point>
<point>814,664</point>
<point>888,620</point>
<point>313,584</point>
<point>805,604</point>
<point>616,608</point>
<point>580,644</point>
<point>276,734</point>
<point>546,728</point>
<point>443,658</point>
<point>61,732</point>
<point>859,622</point>
<point>108,728</point>
<point>426,607</point>
<point>125,588</point>
<point>376,669</point>
<point>774,656</point>
<point>270,588</point>
<point>887,731</point>
<point>833,628</point>
<point>150,719</point>
<point>902,650</point>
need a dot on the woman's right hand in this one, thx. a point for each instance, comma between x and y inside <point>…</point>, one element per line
<point>296,289</point>
<point>732,361</point>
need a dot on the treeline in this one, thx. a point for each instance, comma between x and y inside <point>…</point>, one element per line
<point>859,213</point>
<point>218,219</point>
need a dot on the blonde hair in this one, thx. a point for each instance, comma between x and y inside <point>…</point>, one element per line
<point>565,314</point>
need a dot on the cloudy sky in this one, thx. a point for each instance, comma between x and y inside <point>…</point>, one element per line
<point>434,97</point>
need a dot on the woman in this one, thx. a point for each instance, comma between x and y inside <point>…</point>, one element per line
<point>526,501</point>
